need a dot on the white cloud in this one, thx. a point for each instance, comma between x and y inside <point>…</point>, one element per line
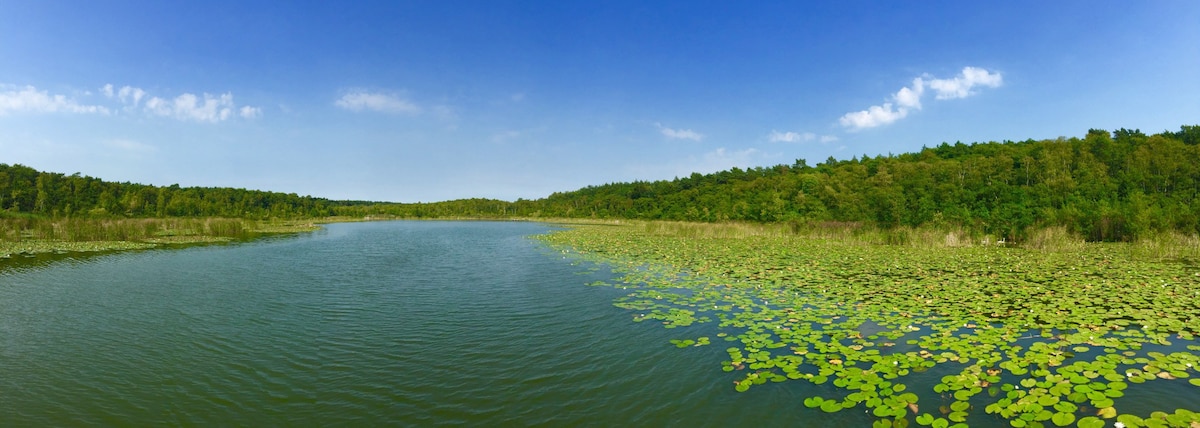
<point>908,98</point>
<point>873,116</point>
<point>798,137</point>
<point>790,137</point>
<point>187,106</point>
<point>29,99</point>
<point>207,108</point>
<point>960,86</point>
<point>359,101</point>
<point>130,95</point>
<point>247,112</point>
<point>680,134</point>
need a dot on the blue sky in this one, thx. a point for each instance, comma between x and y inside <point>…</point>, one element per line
<point>437,100</point>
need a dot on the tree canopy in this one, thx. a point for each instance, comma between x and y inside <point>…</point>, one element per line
<point>1104,186</point>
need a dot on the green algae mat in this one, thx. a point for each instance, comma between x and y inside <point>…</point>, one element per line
<point>935,337</point>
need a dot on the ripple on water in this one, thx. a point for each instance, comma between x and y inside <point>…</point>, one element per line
<point>403,323</point>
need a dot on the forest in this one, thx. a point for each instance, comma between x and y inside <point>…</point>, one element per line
<point>1116,186</point>
<point>1104,187</point>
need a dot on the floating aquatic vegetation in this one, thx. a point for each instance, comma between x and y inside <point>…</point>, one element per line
<point>1035,338</point>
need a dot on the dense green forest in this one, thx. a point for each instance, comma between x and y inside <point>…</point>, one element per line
<point>26,190</point>
<point>1105,187</point>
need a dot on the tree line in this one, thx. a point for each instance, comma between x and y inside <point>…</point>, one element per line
<point>1104,186</point>
<point>24,190</point>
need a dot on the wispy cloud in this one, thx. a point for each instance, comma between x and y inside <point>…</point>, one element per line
<point>207,108</point>
<point>679,134</point>
<point>127,94</point>
<point>376,101</point>
<point>444,113</point>
<point>790,137</point>
<point>798,137</point>
<point>908,98</point>
<point>247,112</point>
<point>503,136</point>
<point>719,159</point>
<point>29,99</point>
<point>722,159</point>
<point>186,106</point>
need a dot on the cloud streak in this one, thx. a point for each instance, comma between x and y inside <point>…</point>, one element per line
<point>790,137</point>
<point>373,101</point>
<point>29,99</point>
<point>909,97</point>
<point>715,160</point>
<point>207,108</point>
<point>187,106</point>
<point>679,134</point>
<point>798,137</point>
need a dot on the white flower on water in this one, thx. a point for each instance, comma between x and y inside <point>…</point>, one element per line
<point>1119,425</point>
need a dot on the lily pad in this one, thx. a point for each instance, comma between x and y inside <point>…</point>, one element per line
<point>1063,419</point>
<point>1091,422</point>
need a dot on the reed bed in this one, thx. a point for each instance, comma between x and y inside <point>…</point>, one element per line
<point>33,235</point>
<point>1161,246</point>
<point>115,229</point>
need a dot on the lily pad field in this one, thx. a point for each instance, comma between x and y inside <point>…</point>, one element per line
<point>922,335</point>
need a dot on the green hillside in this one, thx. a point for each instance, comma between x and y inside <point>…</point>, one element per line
<point>1104,186</point>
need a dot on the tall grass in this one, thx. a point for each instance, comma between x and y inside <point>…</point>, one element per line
<point>918,237</point>
<point>118,229</point>
<point>1168,246</point>
<point>1053,238</point>
<point>711,230</point>
<point>845,232</point>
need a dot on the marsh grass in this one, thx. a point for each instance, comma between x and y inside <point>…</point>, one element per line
<point>852,233</point>
<point>86,229</point>
<point>1054,238</point>
<point>1161,246</point>
<point>31,235</point>
<point>1168,246</point>
<point>712,230</point>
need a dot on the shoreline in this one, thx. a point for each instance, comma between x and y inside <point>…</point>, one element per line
<point>32,248</point>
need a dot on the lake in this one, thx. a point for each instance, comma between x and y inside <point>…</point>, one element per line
<point>385,323</point>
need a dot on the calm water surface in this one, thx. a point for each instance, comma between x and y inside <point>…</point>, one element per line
<point>398,323</point>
